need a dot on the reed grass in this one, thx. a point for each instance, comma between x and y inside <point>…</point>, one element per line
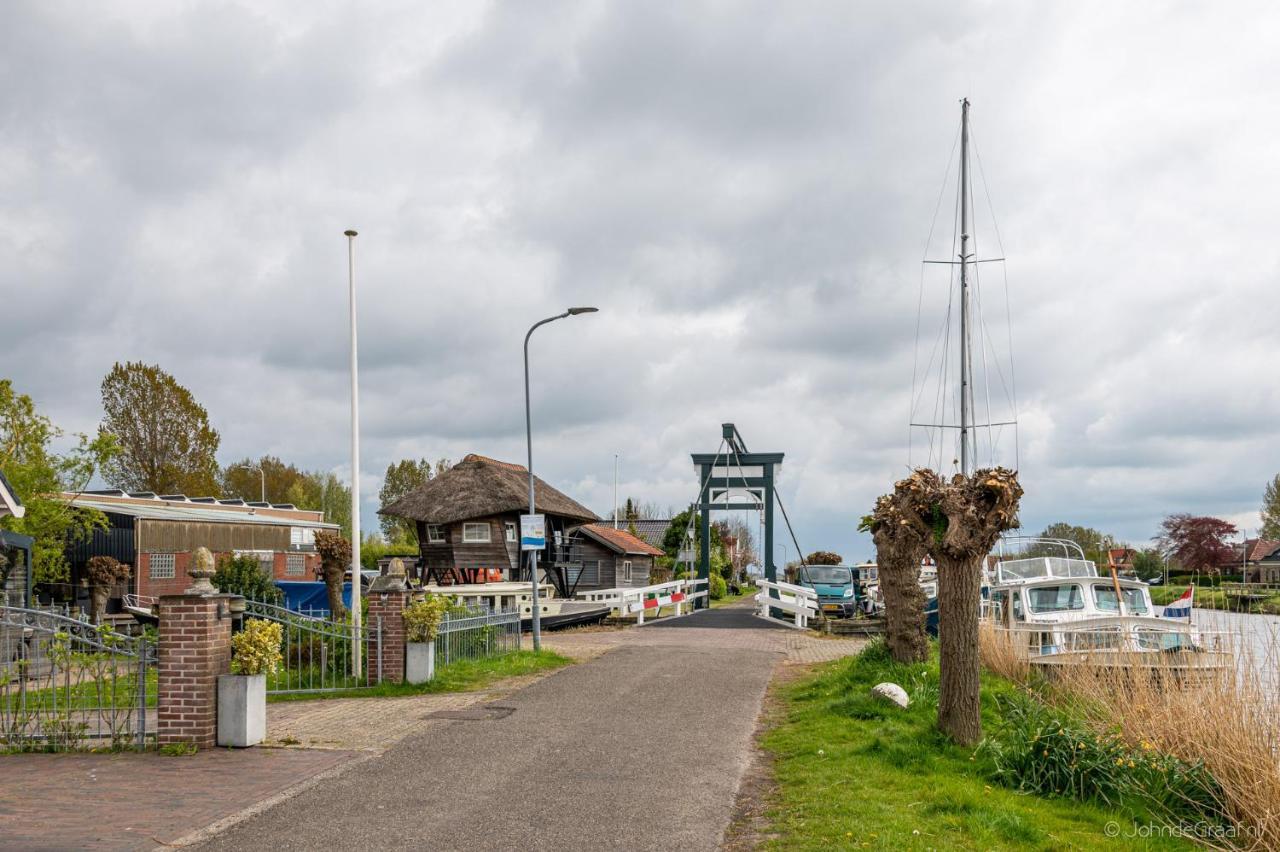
<point>1221,718</point>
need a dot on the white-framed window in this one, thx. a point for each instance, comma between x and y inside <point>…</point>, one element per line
<point>164,566</point>
<point>626,571</point>
<point>476,533</point>
<point>266,559</point>
<point>295,565</point>
<point>435,535</point>
<point>511,531</point>
<point>302,537</point>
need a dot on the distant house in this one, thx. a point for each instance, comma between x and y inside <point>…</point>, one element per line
<point>652,530</point>
<point>468,520</point>
<point>15,551</point>
<point>1258,559</point>
<point>611,558</point>
<point>1121,559</point>
<point>157,534</point>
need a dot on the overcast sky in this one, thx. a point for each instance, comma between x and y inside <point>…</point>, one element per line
<point>744,189</point>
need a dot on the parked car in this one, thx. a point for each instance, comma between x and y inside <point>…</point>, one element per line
<point>834,586</point>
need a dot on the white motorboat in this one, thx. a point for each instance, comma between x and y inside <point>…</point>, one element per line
<point>1058,610</point>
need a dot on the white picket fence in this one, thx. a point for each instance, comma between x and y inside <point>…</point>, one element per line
<point>801,602</point>
<point>649,600</point>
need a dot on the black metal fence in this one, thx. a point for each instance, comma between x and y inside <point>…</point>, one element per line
<point>67,684</point>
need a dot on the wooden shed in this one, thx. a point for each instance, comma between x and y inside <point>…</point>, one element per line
<point>612,558</point>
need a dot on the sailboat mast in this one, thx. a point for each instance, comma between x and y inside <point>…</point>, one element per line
<point>966,367</point>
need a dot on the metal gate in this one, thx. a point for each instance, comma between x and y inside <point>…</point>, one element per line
<point>317,652</point>
<point>67,684</point>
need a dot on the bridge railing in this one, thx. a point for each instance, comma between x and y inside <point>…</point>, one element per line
<point>649,600</point>
<point>800,601</point>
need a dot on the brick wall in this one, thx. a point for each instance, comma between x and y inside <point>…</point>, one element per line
<point>146,585</point>
<point>389,606</point>
<point>195,647</point>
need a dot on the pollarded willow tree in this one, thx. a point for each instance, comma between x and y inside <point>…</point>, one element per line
<point>900,547</point>
<point>961,521</point>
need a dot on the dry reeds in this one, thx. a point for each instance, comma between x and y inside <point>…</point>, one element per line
<point>1220,717</point>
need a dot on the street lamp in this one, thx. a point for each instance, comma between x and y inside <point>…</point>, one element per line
<point>355,463</point>
<point>261,475</point>
<point>528,433</point>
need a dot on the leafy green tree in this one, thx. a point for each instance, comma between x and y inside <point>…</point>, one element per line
<point>325,492</point>
<point>243,575</point>
<point>1148,564</point>
<point>166,443</point>
<point>1093,542</point>
<point>401,478</point>
<point>241,479</point>
<point>1271,510</point>
<point>37,475</point>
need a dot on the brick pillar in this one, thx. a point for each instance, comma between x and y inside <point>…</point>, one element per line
<point>388,605</point>
<point>195,647</point>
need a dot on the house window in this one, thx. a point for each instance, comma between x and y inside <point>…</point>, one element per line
<point>511,531</point>
<point>295,565</point>
<point>164,566</point>
<point>626,571</point>
<point>475,533</point>
<point>435,535</point>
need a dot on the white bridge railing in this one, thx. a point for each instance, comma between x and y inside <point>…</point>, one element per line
<point>649,600</point>
<point>800,601</point>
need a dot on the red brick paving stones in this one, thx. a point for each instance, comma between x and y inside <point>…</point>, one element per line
<point>139,801</point>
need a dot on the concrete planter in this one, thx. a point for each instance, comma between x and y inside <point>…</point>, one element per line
<point>419,661</point>
<point>242,710</point>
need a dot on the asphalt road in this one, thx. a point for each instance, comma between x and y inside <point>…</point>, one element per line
<point>642,748</point>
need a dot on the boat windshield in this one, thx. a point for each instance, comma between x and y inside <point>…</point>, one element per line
<point>1135,602</point>
<point>1062,598</point>
<point>828,575</point>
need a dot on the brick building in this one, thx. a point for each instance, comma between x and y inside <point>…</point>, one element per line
<point>157,534</point>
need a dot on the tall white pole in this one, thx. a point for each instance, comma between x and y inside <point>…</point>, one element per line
<point>615,491</point>
<point>355,465</point>
<point>966,367</point>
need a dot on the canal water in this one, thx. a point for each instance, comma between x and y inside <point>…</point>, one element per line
<point>1256,639</point>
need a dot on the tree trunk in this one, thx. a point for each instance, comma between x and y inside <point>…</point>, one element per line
<point>98,602</point>
<point>904,619</point>
<point>333,584</point>
<point>959,600</point>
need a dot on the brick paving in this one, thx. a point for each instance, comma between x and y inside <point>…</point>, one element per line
<point>139,801</point>
<point>132,801</point>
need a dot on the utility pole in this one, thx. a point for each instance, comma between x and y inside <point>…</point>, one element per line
<point>615,491</point>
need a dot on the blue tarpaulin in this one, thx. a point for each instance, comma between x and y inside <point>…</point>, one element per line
<point>310,596</point>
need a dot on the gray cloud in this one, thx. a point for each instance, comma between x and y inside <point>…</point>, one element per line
<point>743,189</point>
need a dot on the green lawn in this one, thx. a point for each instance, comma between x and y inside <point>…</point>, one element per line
<point>855,772</point>
<point>728,599</point>
<point>462,676</point>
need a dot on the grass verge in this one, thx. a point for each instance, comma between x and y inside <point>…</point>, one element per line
<point>731,599</point>
<point>464,676</point>
<point>856,772</point>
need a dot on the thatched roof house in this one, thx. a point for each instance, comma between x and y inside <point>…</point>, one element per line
<point>478,486</point>
<point>468,520</point>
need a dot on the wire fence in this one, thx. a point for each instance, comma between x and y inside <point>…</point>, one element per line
<point>476,633</point>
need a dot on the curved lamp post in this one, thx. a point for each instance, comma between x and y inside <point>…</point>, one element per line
<point>528,433</point>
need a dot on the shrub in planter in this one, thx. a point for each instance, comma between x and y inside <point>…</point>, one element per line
<point>242,695</point>
<point>421,624</point>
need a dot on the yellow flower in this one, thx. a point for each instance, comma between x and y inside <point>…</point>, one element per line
<point>1131,764</point>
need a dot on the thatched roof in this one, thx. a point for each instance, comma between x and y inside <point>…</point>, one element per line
<point>478,486</point>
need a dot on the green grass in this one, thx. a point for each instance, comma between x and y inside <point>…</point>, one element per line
<point>83,694</point>
<point>464,676</point>
<point>855,772</point>
<point>729,599</point>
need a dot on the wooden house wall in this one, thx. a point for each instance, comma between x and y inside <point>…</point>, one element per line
<point>593,551</point>
<point>156,536</point>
